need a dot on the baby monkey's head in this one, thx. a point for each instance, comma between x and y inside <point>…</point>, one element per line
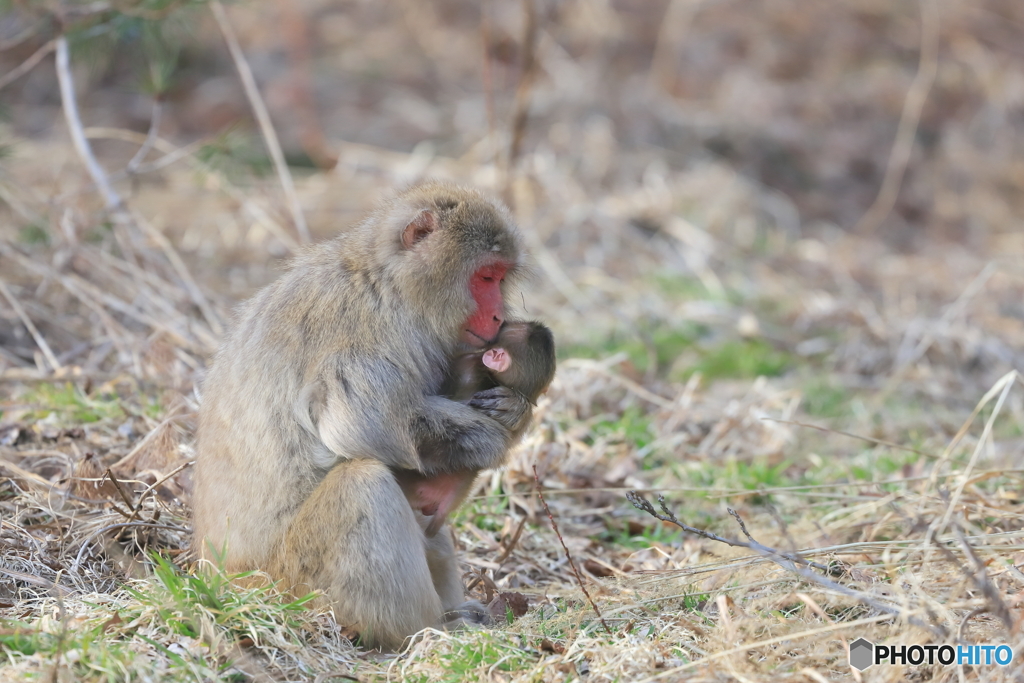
<point>523,358</point>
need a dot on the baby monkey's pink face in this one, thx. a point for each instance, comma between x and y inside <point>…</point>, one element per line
<point>497,359</point>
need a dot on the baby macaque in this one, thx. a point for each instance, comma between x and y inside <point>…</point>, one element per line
<point>522,359</point>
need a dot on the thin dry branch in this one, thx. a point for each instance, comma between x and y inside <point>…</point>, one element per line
<point>149,438</point>
<point>790,562</point>
<point>644,505</point>
<point>521,111</point>
<point>26,66</point>
<point>30,326</point>
<point>983,581</point>
<point>674,25</point>
<point>512,542</point>
<point>151,138</point>
<point>120,525</point>
<point>486,76</point>
<point>909,118</point>
<point>193,289</point>
<point>70,106</point>
<point>746,647</point>
<point>23,35</point>
<point>979,577</point>
<point>869,439</point>
<point>568,556</point>
<point>295,30</point>
<point>152,487</point>
<point>259,108</point>
<point>1005,384</point>
<point>174,153</point>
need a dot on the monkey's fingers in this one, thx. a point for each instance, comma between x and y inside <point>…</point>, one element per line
<point>508,407</point>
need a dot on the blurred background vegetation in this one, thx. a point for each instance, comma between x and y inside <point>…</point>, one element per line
<point>803,98</point>
<point>743,215</point>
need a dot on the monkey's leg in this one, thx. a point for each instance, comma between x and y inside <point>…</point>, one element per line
<point>444,569</point>
<point>458,487</point>
<point>357,539</point>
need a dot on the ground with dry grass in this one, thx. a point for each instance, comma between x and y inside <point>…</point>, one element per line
<point>836,398</point>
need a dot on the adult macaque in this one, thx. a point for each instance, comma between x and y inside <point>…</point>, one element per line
<point>521,359</point>
<point>329,380</point>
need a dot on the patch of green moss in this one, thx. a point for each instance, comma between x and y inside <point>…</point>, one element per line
<point>71,405</point>
<point>34,234</point>
<point>824,399</point>
<point>746,358</point>
<point>632,427</point>
<point>667,342</point>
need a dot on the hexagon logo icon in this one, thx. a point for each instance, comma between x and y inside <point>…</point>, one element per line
<point>862,654</point>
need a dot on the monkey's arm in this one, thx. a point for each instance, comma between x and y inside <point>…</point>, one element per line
<point>453,436</point>
<point>359,409</point>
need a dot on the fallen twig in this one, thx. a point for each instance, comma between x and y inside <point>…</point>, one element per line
<point>152,487</point>
<point>512,542</point>
<point>568,556</point>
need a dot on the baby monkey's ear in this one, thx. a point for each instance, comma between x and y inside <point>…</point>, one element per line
<point>497,359</point>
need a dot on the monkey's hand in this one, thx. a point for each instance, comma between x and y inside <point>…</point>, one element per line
<point>510,408</point>
<point>453,437</point>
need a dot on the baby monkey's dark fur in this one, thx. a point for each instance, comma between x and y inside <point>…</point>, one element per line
<point>531,347</point>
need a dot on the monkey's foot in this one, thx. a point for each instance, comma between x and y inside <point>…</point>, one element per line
<point>469,614</point>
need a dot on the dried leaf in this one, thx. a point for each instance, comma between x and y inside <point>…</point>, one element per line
<point>551,647</point>
<point>596,568</point>
<point>503,603</point>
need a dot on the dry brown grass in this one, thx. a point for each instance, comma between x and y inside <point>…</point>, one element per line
<point>672,280</point>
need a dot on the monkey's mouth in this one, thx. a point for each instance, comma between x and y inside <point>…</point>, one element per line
<point>483,342</point>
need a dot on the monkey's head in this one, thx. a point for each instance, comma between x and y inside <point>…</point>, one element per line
<point>523,358</point>
<point>453,252</point>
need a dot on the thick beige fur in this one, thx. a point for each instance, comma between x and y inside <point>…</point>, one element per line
<point>329,379</point>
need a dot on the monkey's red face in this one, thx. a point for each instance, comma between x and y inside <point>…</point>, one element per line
<point>482,326</point>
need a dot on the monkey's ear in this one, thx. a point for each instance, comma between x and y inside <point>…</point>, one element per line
<point>420,227</point>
